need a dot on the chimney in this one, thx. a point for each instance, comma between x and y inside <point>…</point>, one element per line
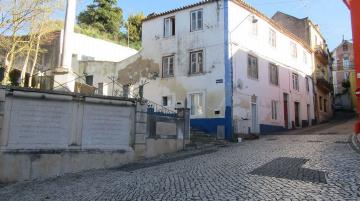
<point>64,78</point>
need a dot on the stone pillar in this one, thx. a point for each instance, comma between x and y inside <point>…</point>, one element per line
<point>3,123</point>
<point>64,78</point>
<point>141,119</point>
<point>184,114</point>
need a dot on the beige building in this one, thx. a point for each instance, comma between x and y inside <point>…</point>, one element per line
<point>344,75</point>
<point>322,78</point>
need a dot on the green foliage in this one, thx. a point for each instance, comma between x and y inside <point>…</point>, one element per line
<point>103,15</point>
<point>134,25</point>
<point>118,38</point>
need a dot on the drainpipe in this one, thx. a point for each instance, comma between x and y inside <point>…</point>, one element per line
<point>228,76</point>
<point>64,78</point>
<point>354,6</point>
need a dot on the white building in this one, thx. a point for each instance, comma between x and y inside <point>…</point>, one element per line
<point>84,49</point>
<point>238,70</point>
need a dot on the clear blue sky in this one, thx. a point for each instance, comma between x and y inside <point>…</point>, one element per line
<point>332,15</point>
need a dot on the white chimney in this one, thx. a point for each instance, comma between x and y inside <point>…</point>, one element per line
<point>63,74</point>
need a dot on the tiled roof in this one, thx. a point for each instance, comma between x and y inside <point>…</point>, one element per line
<point>243,4</point>
<point>154,15</point>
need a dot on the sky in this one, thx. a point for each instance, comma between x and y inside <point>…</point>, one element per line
<point>332,16</point>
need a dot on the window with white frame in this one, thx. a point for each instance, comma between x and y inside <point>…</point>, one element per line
<point>295,80</point>
<point>168,66</point>
<point>293,48</point>
<point>196,62</point>
<point>274,109</point>
<point>274,74</point>
<point>253,68</point>
<point>254,28</point>
<point>197,104</point>
<point>272,38</point>
<point>169,27</point>
<point>196,22</point>
<point>305,57</point>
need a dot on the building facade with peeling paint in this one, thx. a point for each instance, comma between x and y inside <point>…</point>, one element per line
<point>235,68</point>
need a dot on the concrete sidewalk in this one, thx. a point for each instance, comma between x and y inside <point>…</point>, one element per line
<point>336,126</point>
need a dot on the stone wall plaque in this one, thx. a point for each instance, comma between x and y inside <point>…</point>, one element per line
<point>37,124</point>
<point>107,126</point>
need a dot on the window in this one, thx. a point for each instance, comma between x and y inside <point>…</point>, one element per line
<point>253,69</point>
<point>196,104</point>
<point>196,20</point>
<point>126,91</point>
<point>305,57</point>
<point>346,62</point>
<point>325,105</point>
<point>293,48</point>
<point>274,110</point>
<point>320,103</point>
<point>274,74</point>
<point>101,88</point>
<point>168,66</point>
<point>345,47</point>
<point>196,62</point>
<point>272,38</point>
<point>295,79</point>
<point>307,84</point>
<point>169,27</point>
<point>254,27</point>
<point>316,40</point>
<point>166,101</point>
<point>89,80</point>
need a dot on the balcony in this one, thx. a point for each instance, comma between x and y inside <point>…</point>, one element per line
<point>344,66</point>
<point>322,82</point>
<point>322,54</point>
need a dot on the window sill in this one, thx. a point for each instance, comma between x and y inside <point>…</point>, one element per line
<point>274,85</point>
<point>169,37</point>
<point>254,79</point>
<point>197,31</point>
<point>168,78</point>
<point>195,74</point>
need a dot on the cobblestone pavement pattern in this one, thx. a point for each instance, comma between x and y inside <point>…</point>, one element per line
<point>223,175</point>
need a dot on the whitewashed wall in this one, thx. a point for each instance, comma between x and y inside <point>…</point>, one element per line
<point>99,50</point>
<point>210,40</point>
<point>244,42</point>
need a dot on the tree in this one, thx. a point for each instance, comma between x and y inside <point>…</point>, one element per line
<point>134,25</point>
<point>21,34</point>
<point>103,15</point>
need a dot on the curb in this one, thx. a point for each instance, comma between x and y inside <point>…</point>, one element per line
<point>355,142</point>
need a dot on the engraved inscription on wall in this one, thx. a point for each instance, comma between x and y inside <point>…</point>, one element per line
<point>40,123</point>
<point>106,126</point>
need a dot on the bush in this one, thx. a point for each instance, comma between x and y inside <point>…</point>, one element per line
<point>14,77</point>
<point>118,38</point>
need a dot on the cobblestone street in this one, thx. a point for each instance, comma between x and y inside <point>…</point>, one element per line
<point>227,174</point>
